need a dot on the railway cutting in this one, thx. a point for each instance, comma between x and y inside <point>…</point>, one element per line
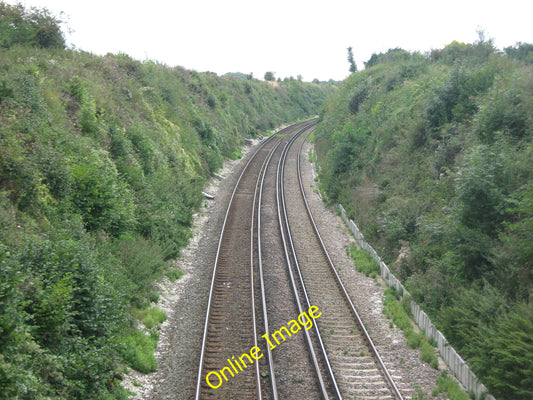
<point>262,338</point>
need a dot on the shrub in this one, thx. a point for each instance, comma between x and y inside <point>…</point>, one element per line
<point>138,351</point>
<point>359,95</point>
<point>414,340</point>
<point>211,101</point>
<point>150,317</point>
<point>174,274</point>
<point>454,101</point>
<point>143,262</point>
<point>426,352</point>
<point>399,316</point>
<point>505,111</point>
<point>506,351</point>
<point>153,297</point>
<point>101,196</point>
<point>521,51</point>
<point>154,316</point>
<point>480,190</point>
<point>363,260</point>
<point>87,119</point>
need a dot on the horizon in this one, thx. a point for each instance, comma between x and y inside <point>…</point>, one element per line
<point>235,36</point>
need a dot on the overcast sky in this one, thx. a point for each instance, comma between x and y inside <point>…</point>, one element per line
<point>288,37</point>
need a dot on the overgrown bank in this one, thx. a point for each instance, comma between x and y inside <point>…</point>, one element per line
<point>432,156</point>
<point>102,162</point>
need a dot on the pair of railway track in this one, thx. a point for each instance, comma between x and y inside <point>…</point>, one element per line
<point>271,266</point>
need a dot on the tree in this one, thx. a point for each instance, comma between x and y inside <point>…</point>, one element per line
<point>37,27</point>
<point>353,67</point>
<point>520,51</point>
<point>269,76</point>
<point>505,361</point>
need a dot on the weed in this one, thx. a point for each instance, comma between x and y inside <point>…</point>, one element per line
<point>395,310</point>
<point>427,353</point>
<point>174,274</point>
<point>449,386</point>
<point>151,317</point>
<point>419,394</point>
<point>153,297</point>
<point>138,351</point>
<point>363,260</point>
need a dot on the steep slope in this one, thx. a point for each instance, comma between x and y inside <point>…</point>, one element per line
<point>102,163</point>
<point>433,157</point>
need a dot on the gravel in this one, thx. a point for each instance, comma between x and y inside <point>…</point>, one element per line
<point>185,300</point>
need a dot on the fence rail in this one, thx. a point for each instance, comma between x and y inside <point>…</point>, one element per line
<point>454,361</point>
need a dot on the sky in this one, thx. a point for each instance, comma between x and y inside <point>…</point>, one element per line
<point>288,37</point>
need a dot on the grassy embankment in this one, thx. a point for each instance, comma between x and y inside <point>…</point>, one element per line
<point>432,155</point>
<point>102,163</point>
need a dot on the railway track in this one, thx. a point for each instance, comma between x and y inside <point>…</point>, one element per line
<point>357,367</point>
<point>296,365</point>
<point>230,328</point>
<point>270,267</point>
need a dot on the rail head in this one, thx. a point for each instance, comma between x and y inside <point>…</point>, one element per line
<point>384,370</point>
<point>212,285</point>
<point>288,242</point>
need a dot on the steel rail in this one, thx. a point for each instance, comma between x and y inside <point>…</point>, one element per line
<point>373,348</point>
<point>212,286</point>
<point>282,211</point>
<point>258,194</point>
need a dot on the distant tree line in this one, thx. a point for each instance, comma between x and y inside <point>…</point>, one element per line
<point>34,27</point>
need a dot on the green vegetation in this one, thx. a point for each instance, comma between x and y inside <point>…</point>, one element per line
<point>351,60</point>
<point>269,76</point>
<point>433,155</point>
<point>397,310</point>
<point>363,260</point>
<point>35,27</point>
<point>151,317</point>
<point>138,350</point>
<point>446,384</point>
<point>102,162</point>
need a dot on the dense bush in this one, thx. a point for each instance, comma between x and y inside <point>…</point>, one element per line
<point>359,95</point>
<point>102,198</point>
<point>35,27</point>
<point>102,163</point>
<point>437,163</point>
<point>454,101</point>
